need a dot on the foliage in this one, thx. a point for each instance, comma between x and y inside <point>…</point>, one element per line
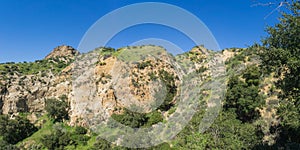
<point>136,120</point>
<point>131,119</point>
<point>154,118</point>
<point>106,52</point>
<point>101,144</point>
<point>226,132</point>
<point>281,54</point>
<point>15,130</point>
<point>162,146</point>
<point>7,146</point>
<point>144,64</point>
<point>201,69</point>
<point>46,65</point>
<point>60,138</point>
<point>243,97</point>
<point>80,130</point>
<point>283,50</point>
<point>57,109</point>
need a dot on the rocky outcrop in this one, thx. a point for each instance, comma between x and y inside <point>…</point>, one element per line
<point>99,85</point>
<point>63,51</point>
<point>27,93</point>
<point>22,93</point>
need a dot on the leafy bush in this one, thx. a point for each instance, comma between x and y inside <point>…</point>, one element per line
<point>243,97</point>
<point>7,146</point>
<point>131,119</point>
<point>60,138</point>
<point>136,120</point>
<point>281,54</point>
<point>101,144</point>
<point>201,69</point>
<point>15,130</point>
<point>55,66</point>
<point>57,109</point>
<point>80,130</point>
<point>154,118</point>
<point>226,132</point>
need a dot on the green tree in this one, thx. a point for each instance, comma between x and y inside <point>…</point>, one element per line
<point>131,119</point>
<point>15,130</point>
<point>243,97</point>
<point>154,118</point>
<point>101,144</point>
<point>57,109</point>
<point>282,56</point>
<point>80,130</point>
<point>7,146</point>
<point>58,139</point>
<point>226,132</point>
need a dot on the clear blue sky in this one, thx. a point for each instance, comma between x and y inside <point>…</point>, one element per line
<point>30,29</point>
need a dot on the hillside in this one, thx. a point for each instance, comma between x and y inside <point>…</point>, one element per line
<point>142,97</point>
<point>27,93</point>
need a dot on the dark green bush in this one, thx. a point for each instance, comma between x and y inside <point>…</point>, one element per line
<point>57,109</point>
<point>15,130</point>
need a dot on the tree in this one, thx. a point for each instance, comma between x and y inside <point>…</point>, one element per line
<point>226,132</point>
<point>131,119</point>
<point>282,50</point>
<point>282,56</point>
<point>15,130</point>
<point>57,109</point>
<point>58,139</point>
<point>243,97</point>
<point>101,144</point>
<point>7,146</point>
<point>154,118</point>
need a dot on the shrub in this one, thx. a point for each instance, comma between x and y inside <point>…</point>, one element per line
<point>80,130</point>
<point>101,144</point>
<point>154,118</point>
<point>15,130</point>
<point>57,109</point>
<point>243,97</point>
<point>58,139</point>
<point>131,119</point>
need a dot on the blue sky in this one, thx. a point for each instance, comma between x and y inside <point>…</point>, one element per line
<point>30,29</point>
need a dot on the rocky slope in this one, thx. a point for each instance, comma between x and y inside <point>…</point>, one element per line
<point>100,85</point>
<point>142,79</point>
<point>62,51</point>
<point>26,92</point>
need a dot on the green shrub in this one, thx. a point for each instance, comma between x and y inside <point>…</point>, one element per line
<point>7,146</point>
<point>154,118</point>
<point>243,97</point>
<point>101,144</point>
<point>131,119</point>
<point>80,130</point>
<point>15,130</point>
<point>57,109</point>
<point>58,139</point>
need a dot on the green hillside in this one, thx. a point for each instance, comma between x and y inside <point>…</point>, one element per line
<point>261,109</point>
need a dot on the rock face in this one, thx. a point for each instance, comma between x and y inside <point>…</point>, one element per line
<point>62,51</point>
<point>101,86</point>
<point>27,93</point>
<point>111,83</point>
